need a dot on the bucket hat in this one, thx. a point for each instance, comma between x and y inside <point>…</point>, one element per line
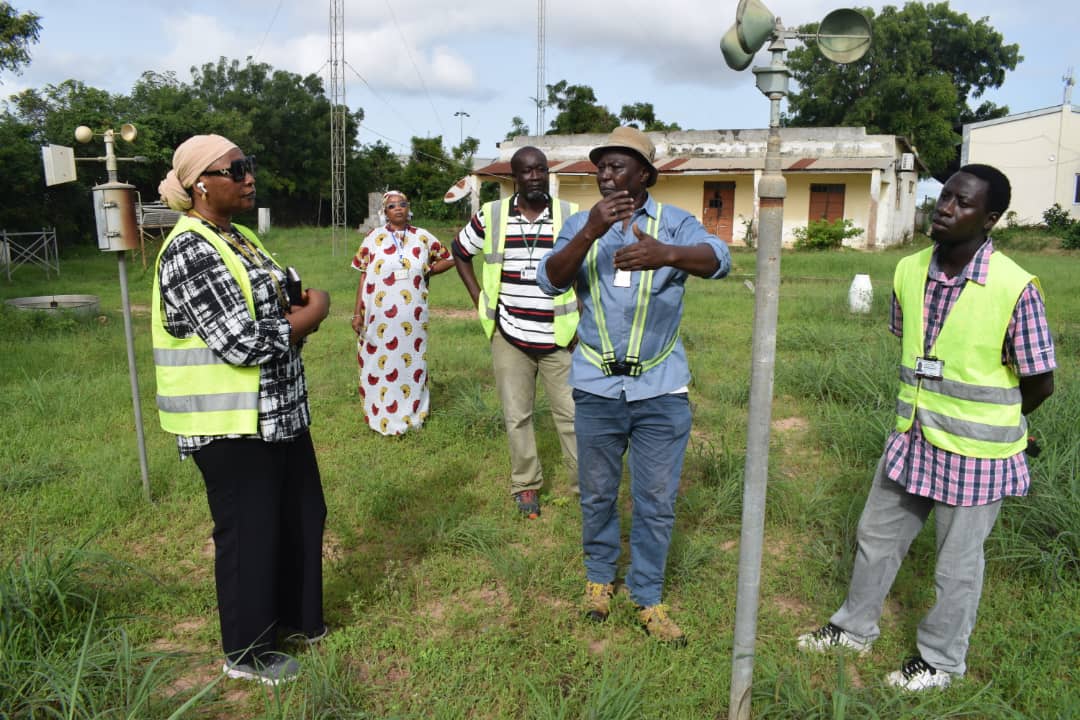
<point>632,139</point>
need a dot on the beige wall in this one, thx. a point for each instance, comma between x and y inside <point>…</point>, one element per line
<point>1040,154</point>
<point>892,222</point>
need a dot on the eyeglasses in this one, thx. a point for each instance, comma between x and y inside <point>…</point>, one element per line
<point>402,205</point>
<point>238,169</point>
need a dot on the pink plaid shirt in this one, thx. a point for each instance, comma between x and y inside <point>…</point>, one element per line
<point>947,477</point>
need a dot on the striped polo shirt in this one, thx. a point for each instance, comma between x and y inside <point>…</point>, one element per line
<point>525,315</point>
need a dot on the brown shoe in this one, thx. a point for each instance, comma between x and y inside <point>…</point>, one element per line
<point>657,624</point>
<point>598,600</point>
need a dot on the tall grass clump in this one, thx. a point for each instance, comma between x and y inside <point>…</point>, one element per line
<point>63,655</point>
<point>1040,533</point>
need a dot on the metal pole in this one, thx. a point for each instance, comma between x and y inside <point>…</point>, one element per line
<point>771,190</point>
<point>129,337</point>
<point>132,372</point>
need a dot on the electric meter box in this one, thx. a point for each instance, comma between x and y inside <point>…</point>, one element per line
<point>114,210</point>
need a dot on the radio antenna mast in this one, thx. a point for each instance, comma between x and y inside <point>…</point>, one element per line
<point>338,113</point>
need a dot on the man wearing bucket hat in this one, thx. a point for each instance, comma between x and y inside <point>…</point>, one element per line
<point>628,258</point>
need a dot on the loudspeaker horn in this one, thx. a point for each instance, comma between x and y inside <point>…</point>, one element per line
<point>734,55</point>
<point>754,24</point>
<point>128,132</point>
<point>844,36</point>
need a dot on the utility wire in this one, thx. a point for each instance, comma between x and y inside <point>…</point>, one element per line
<point>447,162</point>
<point>381,98</point>
<point>268,27</point>
<point>405,44</point>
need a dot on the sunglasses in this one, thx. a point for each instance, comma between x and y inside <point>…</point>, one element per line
<point>403,205</point>
<point>238,169</point>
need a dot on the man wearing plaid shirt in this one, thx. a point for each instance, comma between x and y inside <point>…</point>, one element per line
<point>977,357</point>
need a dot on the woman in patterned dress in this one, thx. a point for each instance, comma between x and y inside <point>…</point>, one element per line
<point>391,317</point>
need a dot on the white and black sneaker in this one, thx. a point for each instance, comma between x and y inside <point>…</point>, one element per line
<point>917,674</point>
<point>270,669</point>
<point>829,637</point>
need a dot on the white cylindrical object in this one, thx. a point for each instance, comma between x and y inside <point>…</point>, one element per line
<point>861,294</point>
<point>264,220</point>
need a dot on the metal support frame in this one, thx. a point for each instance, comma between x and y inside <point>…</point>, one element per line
<point>39,250</point>
<point>338,117</point>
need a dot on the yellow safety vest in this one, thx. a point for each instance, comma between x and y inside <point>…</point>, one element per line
<point>198,393</point>
<point>604,358</point>
<point>974,409</point>
<point>496,215</point>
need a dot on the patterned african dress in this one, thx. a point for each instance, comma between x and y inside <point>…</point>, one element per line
<point>392,348</point>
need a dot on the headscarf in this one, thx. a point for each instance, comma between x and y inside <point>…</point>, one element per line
<point>386,196</point>
<point>191,158</point>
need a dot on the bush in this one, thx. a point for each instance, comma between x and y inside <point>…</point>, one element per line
<point>1057,219</point>
<point>825,235</point>
<point>1070,238</point>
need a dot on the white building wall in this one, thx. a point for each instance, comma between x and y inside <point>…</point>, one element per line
<point>1039,151</point>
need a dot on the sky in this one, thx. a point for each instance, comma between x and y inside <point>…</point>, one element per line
<point>413,64</point>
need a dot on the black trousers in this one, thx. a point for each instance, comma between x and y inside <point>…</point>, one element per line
<point>267,503</point>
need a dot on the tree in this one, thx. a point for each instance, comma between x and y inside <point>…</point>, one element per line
<point>517,127</point>
<point>17,32</point>
<point>642,116</point>
<point>428,175</point>
<point>925,64</point>
<point>579,111</point>
<point>283,119</point>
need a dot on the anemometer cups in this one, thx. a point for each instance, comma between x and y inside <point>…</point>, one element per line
<point>754,24</point>
<point>844,36</point>
<point>127,132</point>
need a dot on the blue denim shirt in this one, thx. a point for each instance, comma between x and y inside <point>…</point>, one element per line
<point>677,227</point>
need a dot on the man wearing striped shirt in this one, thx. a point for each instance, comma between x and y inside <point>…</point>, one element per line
<point>977,357</point>
<point>529,330</point>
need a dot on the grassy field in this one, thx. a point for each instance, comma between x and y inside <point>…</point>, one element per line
<point>444,604</point>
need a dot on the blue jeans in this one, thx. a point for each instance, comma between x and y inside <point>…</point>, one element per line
<point>656,431</point>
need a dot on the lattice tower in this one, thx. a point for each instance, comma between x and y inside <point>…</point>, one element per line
<point>338,115</point>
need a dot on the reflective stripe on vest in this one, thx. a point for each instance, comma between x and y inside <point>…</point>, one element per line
<point>496,216</point>
<point>974,409</point>
<point>198,392</point>
<point>604,358</point>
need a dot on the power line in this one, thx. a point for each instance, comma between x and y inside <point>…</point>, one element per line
<point>383,100</point>
<point>420,77</point>
<point>268,27</point>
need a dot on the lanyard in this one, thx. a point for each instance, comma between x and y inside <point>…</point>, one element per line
<point>236,240</point>
<point>400,247</point>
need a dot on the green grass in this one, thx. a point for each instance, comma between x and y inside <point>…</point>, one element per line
<point>443,603</point>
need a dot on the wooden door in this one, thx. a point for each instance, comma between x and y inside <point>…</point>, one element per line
<point>826,202</point>
<point>718,209</point>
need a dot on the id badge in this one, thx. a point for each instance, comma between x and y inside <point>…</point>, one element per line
<point>622,279</point>
<point>528,273</point>
<point>401,274</point>
<point>929,368</point>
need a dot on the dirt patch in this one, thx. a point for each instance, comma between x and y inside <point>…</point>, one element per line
<point>791,424</point>
<point>853,676</point>
<point>331,547</point>
<point>452,313</point>
<point>495,598</point>
<point>598,647</point>
<point>140,309</point>
<point>791,606</point>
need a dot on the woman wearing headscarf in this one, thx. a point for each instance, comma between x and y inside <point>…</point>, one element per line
<point>391,317</point>
<point>230,385</point>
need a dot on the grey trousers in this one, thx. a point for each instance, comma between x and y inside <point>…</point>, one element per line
<point>515,379</point>
<point>889,523</point>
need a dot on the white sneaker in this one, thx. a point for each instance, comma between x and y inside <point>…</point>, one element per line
<point>917,674</point>
<point>829,637</point>
<point>273,669</point>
